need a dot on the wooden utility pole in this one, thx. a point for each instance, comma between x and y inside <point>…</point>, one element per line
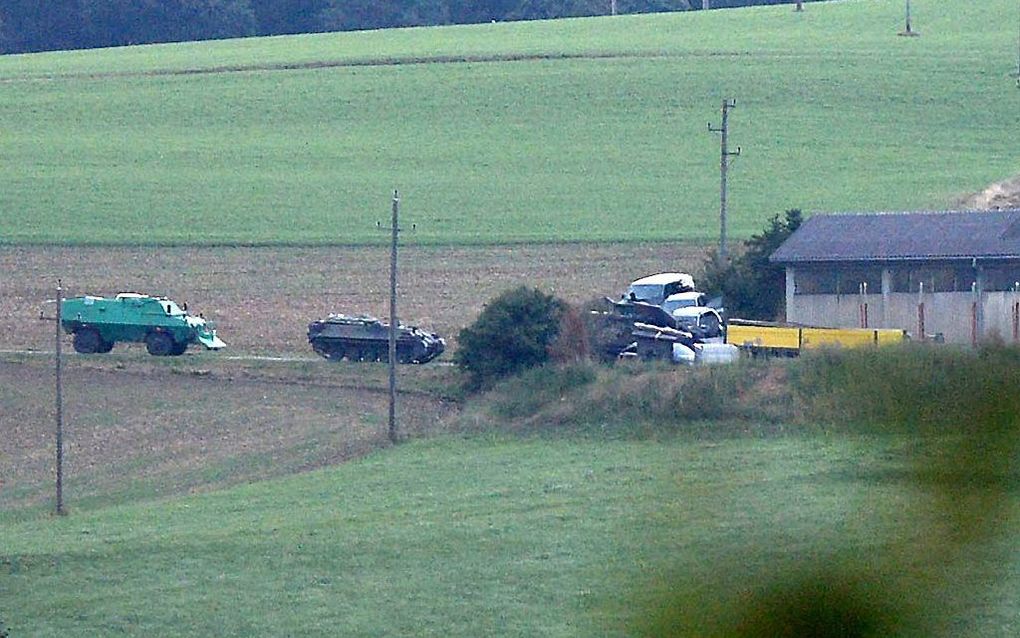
<point>60,409</point>
<point>724,161</point>
<point>395,228</point>
<point>612,7</point>
<point>704,4</point>
<point>800,5</point>
<point>909,31</point>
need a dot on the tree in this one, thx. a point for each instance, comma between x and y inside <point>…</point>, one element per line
<point>349,15</point>
<point>514,332</point>
<point>275,17</point>
<point>121,22</point>
<point>752,287</point>
<point>4,43</point>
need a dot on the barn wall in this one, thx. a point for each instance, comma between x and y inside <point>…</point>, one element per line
<point>951,314</point>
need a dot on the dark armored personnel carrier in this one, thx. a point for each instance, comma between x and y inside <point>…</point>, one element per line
<point>367,339</point>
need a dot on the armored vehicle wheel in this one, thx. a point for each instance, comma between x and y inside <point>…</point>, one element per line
<point>159,344</point>
<point>333,353</point>
<point>87,341</point>
<point>107,346</point>
<point>179,349</point>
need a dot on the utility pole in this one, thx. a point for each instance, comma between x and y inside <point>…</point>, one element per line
<point>395,228</point>
<point>612,7</point>
<point>909,31</point>
<point>60,410</point>
<point>704,4</point>
<point>1018,45</point>
<point>800,5</point>
<point>724,161</point>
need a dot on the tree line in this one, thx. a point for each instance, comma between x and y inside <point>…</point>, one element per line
<point>34,25</point>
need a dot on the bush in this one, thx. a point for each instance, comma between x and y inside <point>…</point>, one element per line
<point>513,333</point>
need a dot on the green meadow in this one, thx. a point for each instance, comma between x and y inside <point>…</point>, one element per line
<point>578,501</point>
<point>497,536</point>
<point>587,129</point>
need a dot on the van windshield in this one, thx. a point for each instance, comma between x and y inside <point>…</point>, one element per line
<point>674,304</point>
<point>647,292</point>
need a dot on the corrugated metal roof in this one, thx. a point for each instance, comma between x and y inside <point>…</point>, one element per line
<point>904,236</point>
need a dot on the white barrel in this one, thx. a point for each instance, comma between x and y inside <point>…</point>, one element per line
<point>683,354</point>
<point>714,353</point>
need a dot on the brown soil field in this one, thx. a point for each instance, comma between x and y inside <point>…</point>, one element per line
<point>144,427</point>
<point>138,429</point>
<point>262,299</point>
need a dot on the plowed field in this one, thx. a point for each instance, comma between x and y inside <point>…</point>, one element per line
<point>261,299</point>
<point>139,427</point>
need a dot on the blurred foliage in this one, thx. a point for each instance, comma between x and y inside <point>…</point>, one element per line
<point>962,409</point>
<point>955,410</point>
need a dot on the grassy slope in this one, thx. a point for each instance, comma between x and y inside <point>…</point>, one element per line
<point>835,113</point>
<point>488,537</point>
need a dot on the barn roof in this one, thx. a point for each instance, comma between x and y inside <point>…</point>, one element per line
<point>904,236</point>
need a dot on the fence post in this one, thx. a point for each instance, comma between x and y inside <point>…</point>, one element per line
<point>920,312</point>
<point>863,306</point>
<point>974,316</point>
<point>1016,313</point>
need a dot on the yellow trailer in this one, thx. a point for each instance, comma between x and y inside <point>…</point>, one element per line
<point>759,337</point>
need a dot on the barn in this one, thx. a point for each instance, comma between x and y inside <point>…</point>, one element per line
<point>952,275</point>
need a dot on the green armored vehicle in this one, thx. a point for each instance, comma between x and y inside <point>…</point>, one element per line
<point>164,327</point>
<point>368,339</point>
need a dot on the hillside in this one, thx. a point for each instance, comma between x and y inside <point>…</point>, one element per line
<point>586,129</point>
<point>488,537</point>
<point>627,501</point>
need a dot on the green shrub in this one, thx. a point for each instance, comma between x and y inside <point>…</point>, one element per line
<point>513,333</point>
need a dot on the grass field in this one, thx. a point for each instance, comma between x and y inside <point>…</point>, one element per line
<point>589,129</point>
<point>182,520</point>
<point>507,537</point>
<point>219,496</point>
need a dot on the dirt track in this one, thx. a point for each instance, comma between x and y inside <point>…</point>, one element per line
<point>262,299</point>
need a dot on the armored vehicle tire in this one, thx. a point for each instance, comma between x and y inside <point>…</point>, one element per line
<point>179,349</point>
<point>107,346</point>
<point>336,354</point>
<point>159,344</point>
<point>88,341</point>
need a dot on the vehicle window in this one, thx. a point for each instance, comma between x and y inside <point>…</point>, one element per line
<point>711,324</point>
<point>646,292</point>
